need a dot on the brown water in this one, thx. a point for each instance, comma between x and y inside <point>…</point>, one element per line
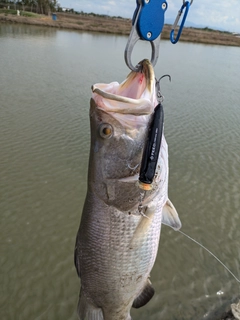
<point>45,80</point>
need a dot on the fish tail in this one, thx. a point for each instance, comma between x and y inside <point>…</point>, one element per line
<point>86,310</point>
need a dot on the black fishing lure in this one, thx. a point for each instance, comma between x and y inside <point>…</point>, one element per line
<point>152,148</point>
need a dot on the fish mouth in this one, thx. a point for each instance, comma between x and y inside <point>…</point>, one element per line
<point>134,96</point>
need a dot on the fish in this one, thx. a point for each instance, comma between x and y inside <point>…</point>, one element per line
<point>117,243</point>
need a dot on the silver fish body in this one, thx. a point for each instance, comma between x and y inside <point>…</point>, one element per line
<point>116,244</point>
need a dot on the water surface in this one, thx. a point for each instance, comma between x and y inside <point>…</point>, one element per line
<point>45,80</point>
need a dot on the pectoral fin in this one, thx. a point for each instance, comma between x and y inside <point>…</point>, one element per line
<point>145,296</point>
<point>170,216</point>
<point>143,226</point>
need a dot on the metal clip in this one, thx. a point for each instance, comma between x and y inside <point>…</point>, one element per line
<point>148,21</point>
<point>186,4</point>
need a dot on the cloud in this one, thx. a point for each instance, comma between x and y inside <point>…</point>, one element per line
<point>220,15</point>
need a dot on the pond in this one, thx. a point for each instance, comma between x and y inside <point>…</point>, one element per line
<point>45,87</point>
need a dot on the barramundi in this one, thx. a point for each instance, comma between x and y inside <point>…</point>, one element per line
<point>118,237</point>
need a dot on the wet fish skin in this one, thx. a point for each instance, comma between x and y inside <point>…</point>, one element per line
<point>116,246</point>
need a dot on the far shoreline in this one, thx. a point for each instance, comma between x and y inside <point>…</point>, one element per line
<point>117,26</point>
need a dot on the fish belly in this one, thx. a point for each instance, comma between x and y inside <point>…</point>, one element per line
<point>115,252</point>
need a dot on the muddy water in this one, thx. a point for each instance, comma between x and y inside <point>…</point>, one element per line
<point>45,80</point>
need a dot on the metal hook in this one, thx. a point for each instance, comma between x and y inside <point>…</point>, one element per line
<point>160,97</point>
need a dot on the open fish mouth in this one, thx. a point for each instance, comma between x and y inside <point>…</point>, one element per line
<point>134,96</point>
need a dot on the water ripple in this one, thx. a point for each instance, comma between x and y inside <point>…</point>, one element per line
<point>44,143</point>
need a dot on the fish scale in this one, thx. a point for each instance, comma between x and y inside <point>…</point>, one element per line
<point>115,264</point>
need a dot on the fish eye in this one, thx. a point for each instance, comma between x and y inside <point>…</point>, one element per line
<point>106,130</point>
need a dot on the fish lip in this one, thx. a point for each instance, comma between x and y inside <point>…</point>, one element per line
<point>112,96</point>
<point>119,98</point>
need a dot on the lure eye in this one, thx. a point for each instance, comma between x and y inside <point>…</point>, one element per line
<point>106,130</point>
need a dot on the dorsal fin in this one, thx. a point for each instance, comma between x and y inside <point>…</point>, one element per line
<point>170,216</point>
<point>145,296</point>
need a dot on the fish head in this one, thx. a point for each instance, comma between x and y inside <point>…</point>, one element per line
<point>116,148</point>
<point>119,117</point>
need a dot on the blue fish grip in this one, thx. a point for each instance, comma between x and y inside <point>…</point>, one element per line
<point>150,19</point>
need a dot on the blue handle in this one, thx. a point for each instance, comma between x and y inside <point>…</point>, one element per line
<point>151,19</point>
<point>187,6</point>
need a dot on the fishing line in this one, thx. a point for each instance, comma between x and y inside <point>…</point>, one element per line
<point>210,254</point>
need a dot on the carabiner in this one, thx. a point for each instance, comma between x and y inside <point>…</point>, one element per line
<point>186,4</point>
<point>148,21</point>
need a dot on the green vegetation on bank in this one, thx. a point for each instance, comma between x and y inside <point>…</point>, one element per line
<point>44,7</point>
<point>214,30</point>
<point>37,6</point>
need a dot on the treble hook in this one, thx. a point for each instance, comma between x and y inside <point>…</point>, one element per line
<point>160,97</point>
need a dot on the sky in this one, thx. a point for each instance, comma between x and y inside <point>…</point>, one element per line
<point>218,14</point>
